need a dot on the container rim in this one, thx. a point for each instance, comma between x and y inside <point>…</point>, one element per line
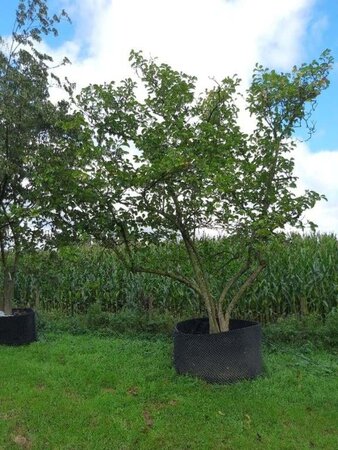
<point>197,323</point>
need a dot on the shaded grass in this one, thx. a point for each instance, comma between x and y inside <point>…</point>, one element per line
<point>87,392</point>
<point>303,330</point>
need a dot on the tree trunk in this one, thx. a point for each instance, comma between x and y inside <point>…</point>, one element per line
<point>226,321</point>
<point>210,307</point>
<point>223,319</point>
<point>8,292</point>
<point>213,324</point>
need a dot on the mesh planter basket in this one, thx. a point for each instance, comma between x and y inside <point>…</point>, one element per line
<point>218,358</point>
<point>19,328</point>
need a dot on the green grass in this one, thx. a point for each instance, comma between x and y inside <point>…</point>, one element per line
<point>87,392</point>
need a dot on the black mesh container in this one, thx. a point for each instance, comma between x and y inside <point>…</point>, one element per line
<point>218,358</point>
<point>19,328</point>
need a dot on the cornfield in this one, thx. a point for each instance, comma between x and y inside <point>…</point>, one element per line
<point>301,278</point>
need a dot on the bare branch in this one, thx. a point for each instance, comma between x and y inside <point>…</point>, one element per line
<point>249,281</point>
<point>173,275</point>
<point>245,267</point>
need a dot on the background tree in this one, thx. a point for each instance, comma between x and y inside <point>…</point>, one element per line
<point>30,128</point>
<point>175,164</point>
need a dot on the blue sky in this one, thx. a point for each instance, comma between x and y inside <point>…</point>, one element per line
<point>210,38</point>
<point>7,18</point>
<point>326,115</point>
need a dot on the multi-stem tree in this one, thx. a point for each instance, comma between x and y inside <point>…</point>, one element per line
<point>174,164</point>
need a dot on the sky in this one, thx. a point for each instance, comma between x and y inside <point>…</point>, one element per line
<point>211,39</point>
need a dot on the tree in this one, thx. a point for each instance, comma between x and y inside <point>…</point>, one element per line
<point>176,163</point>
<point>31,126</point>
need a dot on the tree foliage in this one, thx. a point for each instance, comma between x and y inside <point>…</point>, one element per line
<point>172,164</point>
<point>175,163</point>
<point>30,128</point>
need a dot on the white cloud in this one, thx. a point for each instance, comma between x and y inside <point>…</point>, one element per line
<point>207,39</point>
<point>318,172</point>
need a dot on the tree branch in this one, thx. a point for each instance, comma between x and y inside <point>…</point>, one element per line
<point>245,267</point>
<point>174,276</point>
<point>249,281</point>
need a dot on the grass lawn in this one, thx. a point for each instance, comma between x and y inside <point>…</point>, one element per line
<point>87,392</point>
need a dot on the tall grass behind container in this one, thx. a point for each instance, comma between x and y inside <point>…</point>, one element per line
<point>71,280</point>
<point>301,278</point>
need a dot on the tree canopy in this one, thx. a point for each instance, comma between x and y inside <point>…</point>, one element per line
<point>31,130</point>
<point>175,163</point>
